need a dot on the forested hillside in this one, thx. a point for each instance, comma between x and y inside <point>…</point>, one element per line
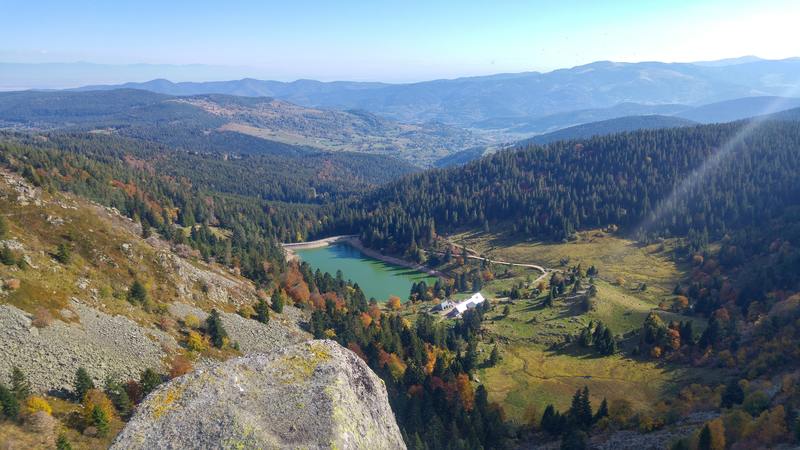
<point>622,179</point>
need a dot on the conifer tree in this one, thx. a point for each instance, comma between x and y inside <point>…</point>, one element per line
<point>262,311</point>
<point>62,443</point>
<point>9,404</point>
<point>20,385</point>
<point>278,300</point>
<point>83,382</point>
<point>137,292</point>
<point>100,420</point>
<point>215,329</point>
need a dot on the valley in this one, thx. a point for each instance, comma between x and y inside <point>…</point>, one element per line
<point>636,256</point>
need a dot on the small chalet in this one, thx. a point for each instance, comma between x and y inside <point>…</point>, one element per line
<point>461,307</point>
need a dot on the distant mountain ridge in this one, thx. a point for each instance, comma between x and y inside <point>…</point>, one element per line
<point>250,124</point>
<point>467,101</point>
<point>618,125</point>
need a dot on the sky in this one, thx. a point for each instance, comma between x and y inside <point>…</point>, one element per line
<point>392,41</point>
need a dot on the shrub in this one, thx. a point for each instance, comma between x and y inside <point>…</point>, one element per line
<point>35,404</point>
<point>12,284</point>
<point>196,342</point>
<point>180,365</point>
<point>42,318</point>
<point>96,399</point>
<point>191,321</point>
<point>150,380</point>
<point>394,303</point>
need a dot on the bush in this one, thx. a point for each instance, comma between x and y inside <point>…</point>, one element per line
<point>35,404</point>
<point>196,342</point>
<point>150,380</point>
<point>42,318</point>
<point>191,321</point>
<point>180,365</point>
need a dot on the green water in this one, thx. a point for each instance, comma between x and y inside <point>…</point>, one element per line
<point>376,278</point>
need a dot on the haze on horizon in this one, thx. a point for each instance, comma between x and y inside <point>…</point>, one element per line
<point>376,41</point>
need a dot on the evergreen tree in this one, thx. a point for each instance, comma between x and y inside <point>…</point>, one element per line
<point>137,293</point>
<point>100,420</point>
<point>494,357</point>
<point>733,394</point>
<point>278,300</point>
<point>63,253</point>
<point>83,382</point>
<point>704,441</point>
<point>7,256</point>
<point>9,404</point>
<point>62,443</point>
<point>119,397</point>
<point>20,385</point>
<point>580,412</point>
<point>575,440</point>
<point>150,380</point>
<point>262,311</point>
<point>215,329</point>
<point>602,411</point>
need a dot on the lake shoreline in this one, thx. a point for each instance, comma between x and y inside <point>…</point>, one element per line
<point>355,242</point>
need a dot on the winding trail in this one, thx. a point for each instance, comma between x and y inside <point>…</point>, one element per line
<point>471,254</point>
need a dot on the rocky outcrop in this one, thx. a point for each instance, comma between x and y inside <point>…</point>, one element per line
<point>312,395</point>
<point>105,345</point>
<point>253,336</point>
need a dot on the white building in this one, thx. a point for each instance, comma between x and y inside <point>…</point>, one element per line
<point>461,307</point>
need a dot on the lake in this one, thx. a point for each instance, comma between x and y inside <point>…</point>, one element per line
<point>376,278</point>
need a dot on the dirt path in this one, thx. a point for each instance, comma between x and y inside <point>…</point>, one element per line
<point>471,254</point>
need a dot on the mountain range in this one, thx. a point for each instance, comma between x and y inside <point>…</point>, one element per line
<point>473,100</point>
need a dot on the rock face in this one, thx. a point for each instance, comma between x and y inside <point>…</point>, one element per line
<point>312,395</point>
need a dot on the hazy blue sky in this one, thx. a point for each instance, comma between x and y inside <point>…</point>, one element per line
<point>394,40</point>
